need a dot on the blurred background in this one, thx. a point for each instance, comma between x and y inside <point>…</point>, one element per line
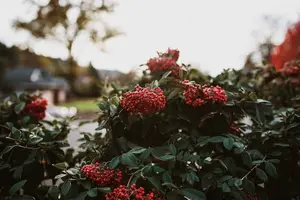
<point>72,50</point>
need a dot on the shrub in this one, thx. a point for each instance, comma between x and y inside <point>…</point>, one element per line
<point>176,139</point>
<point>29,146</point>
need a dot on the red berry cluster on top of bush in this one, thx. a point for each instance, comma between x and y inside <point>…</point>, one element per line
<point>143,100</point>
<point>165,62</point>
<point>195,94</point>
<point>171,53</point>
<point>102,176</point>
<point>290,48</point>
<point>36,108</point>
<point>291,68</point>
<point>132,193</point>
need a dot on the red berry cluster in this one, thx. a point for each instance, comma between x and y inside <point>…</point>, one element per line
<point>165,62</point>
<point>102,176</point>
<point>171,53</point>
<point>36,108</point>
<point>143,100</point>
<point>132,193</point>
<point>291,68</point>
<point>195,94</point>
<point>290,48</point>
<point>214,93</point>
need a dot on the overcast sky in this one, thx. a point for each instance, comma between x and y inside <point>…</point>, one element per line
<point>213,34</point>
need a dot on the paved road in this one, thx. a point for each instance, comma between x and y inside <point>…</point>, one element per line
<point>74,135</point>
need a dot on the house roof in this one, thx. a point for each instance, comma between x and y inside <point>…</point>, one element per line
<point>32,78</point>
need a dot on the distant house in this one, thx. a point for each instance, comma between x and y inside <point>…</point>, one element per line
<point>35,79</point>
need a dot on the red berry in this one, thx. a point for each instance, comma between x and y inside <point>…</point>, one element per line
<point>143,100</point>
<point>102,176</point>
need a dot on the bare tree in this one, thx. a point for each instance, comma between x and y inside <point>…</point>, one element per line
<point>65,20</point>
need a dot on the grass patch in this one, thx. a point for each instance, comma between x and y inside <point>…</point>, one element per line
<point>83,105</point>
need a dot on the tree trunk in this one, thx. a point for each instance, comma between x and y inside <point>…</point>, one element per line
<point>72,68</point>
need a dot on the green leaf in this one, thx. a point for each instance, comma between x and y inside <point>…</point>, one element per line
<point>167,178</point>
<point>261,175</point>
<point>166,157</point>
<point>247,160</point>
<point>225,188</point>
<point>172,149</point>
<point>146,154</point>
<point>19,107</point>
<point>81,196</point>
<point>225,178</point>
<point>248,186</point>
<point>61,165</point>
<point>18,172</point>
<point>237,182</point>
<point>271,169</point>
<point>207,180</point>
<point>16,187</point>
<point>155,182</point>
<point>26,119</point>
<point>173,93</point>
<point>53,192</point>
<point>65,188</point>
<point>35,140</point>
<point>217,139</point>
<point>92,192</point>
<point>228,143</point>
<point>59,176</point>
<point>7,149</point>
<point>16,133</point>
<point>193,194</point>
<point>104,189</point>
<point>87,138</point>
<point>114,162</point>
<point>137,150</point>
<point>129,159</point>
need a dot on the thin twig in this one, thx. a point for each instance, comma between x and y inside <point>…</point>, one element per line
<point>253,168</point>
